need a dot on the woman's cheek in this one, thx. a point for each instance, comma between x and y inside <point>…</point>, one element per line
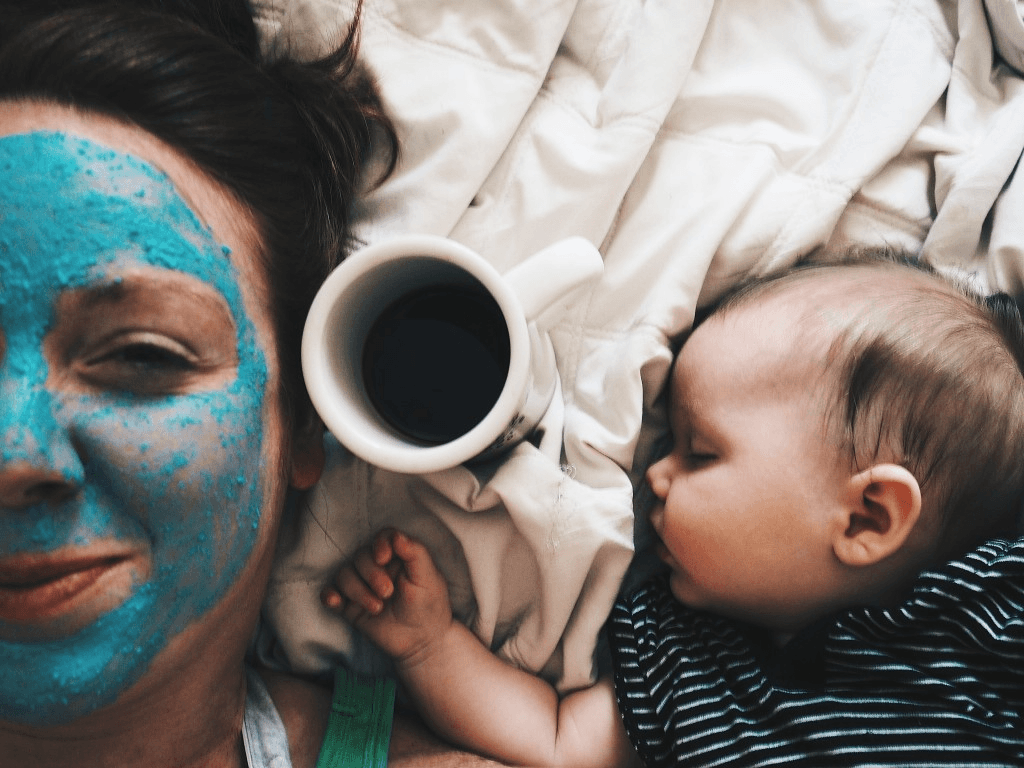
<point>188,470</point>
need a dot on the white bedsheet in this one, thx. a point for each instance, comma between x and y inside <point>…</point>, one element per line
<point>695,142</point>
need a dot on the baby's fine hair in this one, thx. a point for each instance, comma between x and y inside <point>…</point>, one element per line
<point>927,374</point>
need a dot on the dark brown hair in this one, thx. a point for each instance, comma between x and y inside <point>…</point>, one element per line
<point>289,139</point>
<point>927,373</point>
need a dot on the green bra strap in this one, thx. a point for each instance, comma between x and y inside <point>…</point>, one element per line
<point>359,729</point>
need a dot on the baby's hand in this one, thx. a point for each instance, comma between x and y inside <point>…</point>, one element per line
<point>392,592</point>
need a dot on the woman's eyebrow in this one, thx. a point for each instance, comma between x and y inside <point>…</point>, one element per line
<point>121,289</point>
<point>107,293</point>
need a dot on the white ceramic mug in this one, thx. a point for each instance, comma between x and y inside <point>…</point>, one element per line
<point>399,397</point>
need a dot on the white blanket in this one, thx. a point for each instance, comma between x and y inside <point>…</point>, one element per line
<point>695,142</point>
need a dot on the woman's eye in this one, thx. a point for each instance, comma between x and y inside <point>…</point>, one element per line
<point>144,364</point>
<point>148,355</point>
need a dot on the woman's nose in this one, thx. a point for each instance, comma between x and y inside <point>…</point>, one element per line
<point>24,485</point>
<point>38,461</point>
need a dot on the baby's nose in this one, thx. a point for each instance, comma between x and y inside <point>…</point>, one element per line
<point>657,476</point>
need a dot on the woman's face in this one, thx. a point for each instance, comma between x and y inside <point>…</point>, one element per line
<point>141,445</point>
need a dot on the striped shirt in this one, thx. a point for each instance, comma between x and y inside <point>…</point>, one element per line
<point>936,681</point>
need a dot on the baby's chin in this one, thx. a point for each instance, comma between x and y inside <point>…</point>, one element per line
<point>684,591</point>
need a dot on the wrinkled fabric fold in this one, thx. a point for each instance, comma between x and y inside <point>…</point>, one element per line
<point>695,143</point>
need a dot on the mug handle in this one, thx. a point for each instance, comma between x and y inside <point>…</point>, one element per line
<point>553,274</point>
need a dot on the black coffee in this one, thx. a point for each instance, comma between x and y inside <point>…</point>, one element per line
<point>436,360</point>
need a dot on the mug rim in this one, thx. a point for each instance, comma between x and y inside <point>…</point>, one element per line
<point>374,440</point>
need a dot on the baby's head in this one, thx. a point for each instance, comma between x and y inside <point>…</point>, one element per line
<point>858,420</point>
<point>923,373</point>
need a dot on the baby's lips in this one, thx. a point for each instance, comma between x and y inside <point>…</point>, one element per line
<point>655,518</point>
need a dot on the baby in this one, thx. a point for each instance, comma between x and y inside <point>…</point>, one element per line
<point>838,429</point>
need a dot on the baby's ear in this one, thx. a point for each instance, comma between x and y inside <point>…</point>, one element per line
<point>883,508</point>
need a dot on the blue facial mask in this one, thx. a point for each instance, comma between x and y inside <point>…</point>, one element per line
<point>174,474</point>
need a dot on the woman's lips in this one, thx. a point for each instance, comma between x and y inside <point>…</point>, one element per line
<point>44,587</point>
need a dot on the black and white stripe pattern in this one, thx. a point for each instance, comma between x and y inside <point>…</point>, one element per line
<point>938,681</point>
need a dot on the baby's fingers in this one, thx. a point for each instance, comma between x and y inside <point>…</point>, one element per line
<point>352,589</point>
<point>377,576</point>
<point>382,550</point>
<point>419,565</point>
<point>331,597</point>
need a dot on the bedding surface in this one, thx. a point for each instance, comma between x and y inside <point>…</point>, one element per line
<point>695,143</point>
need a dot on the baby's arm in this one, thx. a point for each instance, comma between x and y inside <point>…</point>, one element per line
<point>394,594</point>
